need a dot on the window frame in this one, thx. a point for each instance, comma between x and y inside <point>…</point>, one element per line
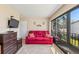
<point>68,21</point>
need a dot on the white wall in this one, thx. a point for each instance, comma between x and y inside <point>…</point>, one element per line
<point>3,23</point>
<point>32,26</point>
<point>23,29</point>
<point>26,24</point>
<point>5,12</point>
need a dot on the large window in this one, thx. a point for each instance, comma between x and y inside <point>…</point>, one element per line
<point>62,27</point>
<point>74,29</point>
<point>74,15</point>
<point>59,27</point>
<point>66,27</point>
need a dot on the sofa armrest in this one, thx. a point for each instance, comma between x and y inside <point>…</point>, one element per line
<point>27,37</point>
<point>50,37</point>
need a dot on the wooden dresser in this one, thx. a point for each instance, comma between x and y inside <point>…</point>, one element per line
<point>8,43</point>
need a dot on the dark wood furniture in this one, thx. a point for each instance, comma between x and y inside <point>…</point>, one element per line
<point>0,49</point>
<point>19,43</point>
<point>8,43</point>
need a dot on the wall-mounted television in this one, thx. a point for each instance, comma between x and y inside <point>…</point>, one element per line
<point>13,23</point>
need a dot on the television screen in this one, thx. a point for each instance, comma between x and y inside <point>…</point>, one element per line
<point>13,23</point>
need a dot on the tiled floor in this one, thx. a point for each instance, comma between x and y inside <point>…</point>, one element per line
<point>35,49</point>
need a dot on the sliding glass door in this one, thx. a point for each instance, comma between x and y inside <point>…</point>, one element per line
<point>66,27</point>
<point>62,27</point>
<point>59,27</point>
<point>74,29</point>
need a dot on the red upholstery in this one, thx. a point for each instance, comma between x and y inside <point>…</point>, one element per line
<point>39,38</point>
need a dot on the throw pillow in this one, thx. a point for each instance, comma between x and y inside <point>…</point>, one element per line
<point>48,35</point>
<point>31,35</point>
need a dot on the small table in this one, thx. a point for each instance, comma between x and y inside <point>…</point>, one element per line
<point>0,41</point>
<point>0,46</point>
<point>19,42</point>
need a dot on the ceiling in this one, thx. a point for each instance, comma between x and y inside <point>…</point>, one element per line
<point>37,10</point>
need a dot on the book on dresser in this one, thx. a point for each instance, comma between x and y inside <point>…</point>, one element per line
<point>8,43</point>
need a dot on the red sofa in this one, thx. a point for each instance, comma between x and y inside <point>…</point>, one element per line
<point>39,38</point>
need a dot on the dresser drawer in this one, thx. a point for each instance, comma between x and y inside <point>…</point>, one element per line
<point>10,50</point>
<point>12,36</point>
<point>9,40</point>
<point>9,43</point>
<point>10,47</point>
<point>5,38</point>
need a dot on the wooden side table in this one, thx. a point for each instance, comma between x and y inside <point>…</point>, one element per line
<point>19,43</point>
<point>0,49</point>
